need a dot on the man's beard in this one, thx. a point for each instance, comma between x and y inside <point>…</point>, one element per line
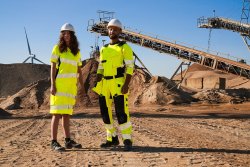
<point>113,36</point>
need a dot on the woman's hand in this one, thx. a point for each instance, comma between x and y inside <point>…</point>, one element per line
<point>53,90</point>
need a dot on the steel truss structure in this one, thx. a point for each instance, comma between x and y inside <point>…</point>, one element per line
<point>184,53</point>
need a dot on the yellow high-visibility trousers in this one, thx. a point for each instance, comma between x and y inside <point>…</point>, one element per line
<point>109,91</point>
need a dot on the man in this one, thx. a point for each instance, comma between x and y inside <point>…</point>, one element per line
<point>114,73</point>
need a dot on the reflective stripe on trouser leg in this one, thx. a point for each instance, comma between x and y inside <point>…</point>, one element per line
<point>126,130</point>
<point>122,113</point>
<point>106,112</point>
<point>110,131</point>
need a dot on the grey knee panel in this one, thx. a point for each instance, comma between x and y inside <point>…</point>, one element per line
<point>120,109</point>
<point>104,110</point>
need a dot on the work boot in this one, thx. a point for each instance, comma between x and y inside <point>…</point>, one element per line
<point>127,145</point>
<point>56,146</point>
<point>114,142</point>
<point>69,143</point>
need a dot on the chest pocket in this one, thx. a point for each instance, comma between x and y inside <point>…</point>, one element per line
<point>111,59</point>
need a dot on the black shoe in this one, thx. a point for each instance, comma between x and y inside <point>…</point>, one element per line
<point>114,142</point>
<point>72,144</point>
<point>127,145</point>
<point>56,146</point>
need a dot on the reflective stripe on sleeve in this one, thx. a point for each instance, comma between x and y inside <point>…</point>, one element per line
<point>61,107</point>
<point>130,65</point>
<point>69,75</point>
<point>54,57</point>
<point>65,95</point>
<point>127,62</point>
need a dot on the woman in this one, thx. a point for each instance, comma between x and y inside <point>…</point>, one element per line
<point>65,65</point>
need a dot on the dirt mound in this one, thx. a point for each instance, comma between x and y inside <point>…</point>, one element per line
<point>37,94</point>
<point>137,85</point>
<point>14,77</point>
<point>199,77</point>
<point>197,67</point>
<point>223,96</point>
<point>89,79</point>
<point>33,96</point>
<point>143,90</point>
<point>162,91</point>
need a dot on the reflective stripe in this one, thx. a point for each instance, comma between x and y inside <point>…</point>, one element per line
<point>100,67</point>
<point>69,75</point>
<point>54,57</point>
<point>127,62</point>
<point>109,134</point>
<point>109,126</point>
<point>130,65</point>
<point>65,94</point>
<point>125,126</point>
<point>126,136</point>
<point>72,62</point>
<point>61,107</point>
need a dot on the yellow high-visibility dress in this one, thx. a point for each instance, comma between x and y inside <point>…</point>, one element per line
<point>115,62</point>
<point>66,81</point>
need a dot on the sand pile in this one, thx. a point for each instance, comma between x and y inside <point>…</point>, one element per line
<point>223,96</point>
<point>162,91</point>
<point>197,74</point>
<point>89,70</point>
<point>143,90</point>
<point>33,96</point>
<point>14,77</point>
<point>137,85</point>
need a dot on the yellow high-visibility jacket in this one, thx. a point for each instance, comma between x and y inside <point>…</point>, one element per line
<point>115,62</point>
<point>66,81</point>
<point>115,56</point>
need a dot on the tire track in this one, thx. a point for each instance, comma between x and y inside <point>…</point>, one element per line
<point>182,137</point>
<point>12,128</point>
<point>157,142</point>
<point>17,142</point>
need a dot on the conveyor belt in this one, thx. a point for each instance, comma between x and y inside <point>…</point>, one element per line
<point>181,52</point>
<point>223,23</point>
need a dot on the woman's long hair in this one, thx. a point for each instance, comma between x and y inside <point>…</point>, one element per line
<point>73,44</point>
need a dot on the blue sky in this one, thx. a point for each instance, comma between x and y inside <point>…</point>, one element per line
<point>170,19</point>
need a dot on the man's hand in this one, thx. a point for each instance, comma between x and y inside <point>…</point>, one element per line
<point>53,90</point>
<point>99,77</point>
<point>126,83</point>
<point>125,88</point>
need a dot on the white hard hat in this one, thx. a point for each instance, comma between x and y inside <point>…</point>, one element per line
<point>67,27</point>
<point>115,22</point>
